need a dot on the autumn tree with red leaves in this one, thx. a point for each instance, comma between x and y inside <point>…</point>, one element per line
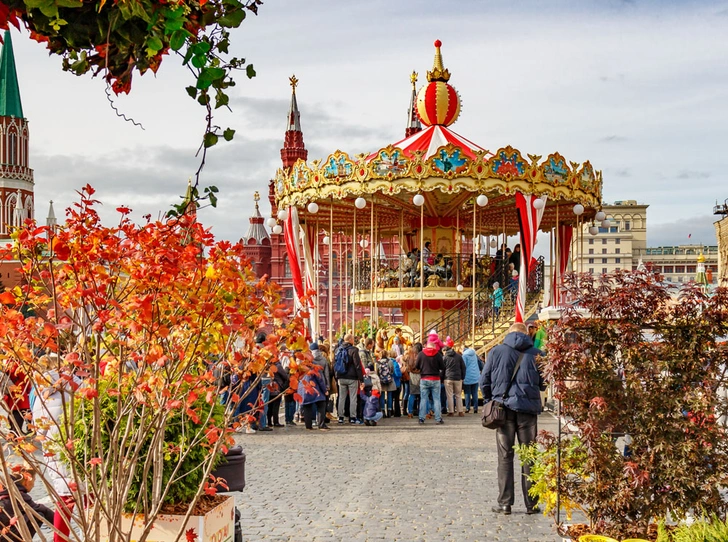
<point>638,357</point>
<point>136,316</point>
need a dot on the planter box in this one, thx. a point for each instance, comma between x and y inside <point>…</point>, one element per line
<point>218,525</point>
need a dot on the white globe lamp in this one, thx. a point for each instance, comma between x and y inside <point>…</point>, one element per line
<point>360,203</point>
<point>601,215</point>
<point>282,214</point>
<point>271,222</point>
<point>326,240</point>
<point>277,229</point>
<point>578,209</point>
<point>313,207</point>
<point>460,288</point>
<point>593,230</point>
<point>418,200</point>
<point>482,200</point>
<point>606,223</point>
<point>363,243</point>
<point>538,204</point>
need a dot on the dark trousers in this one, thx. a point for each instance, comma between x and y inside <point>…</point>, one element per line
<point>273,408</point>
<point>320,413</point>
<point>523,426</point>
<point>289,408</point>
<point>397,406</point>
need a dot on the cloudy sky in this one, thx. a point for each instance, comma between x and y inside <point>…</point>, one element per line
<point>640,88</point>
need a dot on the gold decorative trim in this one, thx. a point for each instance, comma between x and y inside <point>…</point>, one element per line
<point>450,170</point>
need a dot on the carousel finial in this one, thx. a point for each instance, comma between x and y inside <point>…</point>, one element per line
<point>294,82</point>
<point>413,78</point>
<point>438,73</point>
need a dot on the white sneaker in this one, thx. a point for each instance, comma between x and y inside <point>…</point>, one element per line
<point>249,431</point>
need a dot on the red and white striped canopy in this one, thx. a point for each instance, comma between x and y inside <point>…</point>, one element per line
<point>432,138</point>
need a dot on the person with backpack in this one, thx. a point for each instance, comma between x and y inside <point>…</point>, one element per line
<point>512,377</point>
<point>385,371</point>
<point>348,369</point>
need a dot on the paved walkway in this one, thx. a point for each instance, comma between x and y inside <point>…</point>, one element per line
<point>396,481</point>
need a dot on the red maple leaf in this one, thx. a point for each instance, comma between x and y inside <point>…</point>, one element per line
<point>190,535</point>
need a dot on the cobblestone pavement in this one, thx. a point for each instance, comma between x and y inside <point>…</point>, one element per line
<point>396,481</point>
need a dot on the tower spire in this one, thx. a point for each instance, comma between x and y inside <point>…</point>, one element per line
<point>413,121</point>
<point>293,145</point>
<point>10,104</point>
<point>51,220</point>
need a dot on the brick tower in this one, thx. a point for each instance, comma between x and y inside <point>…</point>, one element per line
<point>257,243</point>
<point>16,178</point>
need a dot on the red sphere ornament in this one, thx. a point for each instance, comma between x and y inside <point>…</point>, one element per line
<point>438,103</point>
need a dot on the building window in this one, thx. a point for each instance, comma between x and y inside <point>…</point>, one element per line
<point>604,251</point>
<point>627,225</point>
<point>616,251</point>
<point>335,264</point>
<point>617,260</point>
<point>603,230</point>
<point>617,269</point>
<point>604,241</point>
<point>591,241</point>
<point>617,241</point>
<point>604,260</point>
<point>591,260</point>
<point>286,270</point>
<point>591,251</point>
<point>613,229</point>
<point>691,269</point>
<point>12,148</point>
<point>679,269</point>
<point>591,270</point>
<point>669,269</point>
<point>604,270</point>
<point>668,279</point>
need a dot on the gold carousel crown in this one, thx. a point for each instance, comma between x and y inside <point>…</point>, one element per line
<point>701,258</point>
<point>438,72</point>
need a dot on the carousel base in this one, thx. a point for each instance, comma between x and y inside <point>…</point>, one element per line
<point>441,297</point>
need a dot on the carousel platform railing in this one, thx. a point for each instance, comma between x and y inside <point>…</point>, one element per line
<point>457,323</point>
<point>441,270</point>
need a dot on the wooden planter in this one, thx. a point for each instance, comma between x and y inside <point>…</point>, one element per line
<point>218,525</point>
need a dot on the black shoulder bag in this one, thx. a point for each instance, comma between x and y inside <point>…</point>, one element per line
<point>494,412</point>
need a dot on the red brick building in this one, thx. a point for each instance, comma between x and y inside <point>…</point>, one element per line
<point>267,250</point>
<point>16,177</point>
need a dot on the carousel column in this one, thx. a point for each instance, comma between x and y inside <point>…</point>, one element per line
<point>354,260</point>
<point>557,278</point>
<point>372,321</point>
<point>377,262</point>
<point>331,273</point>
<point>474,267</point>
<point>419,200</point>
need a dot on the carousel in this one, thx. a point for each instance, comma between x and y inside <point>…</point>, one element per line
<point>426,219</point>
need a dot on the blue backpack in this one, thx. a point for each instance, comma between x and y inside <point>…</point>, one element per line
<point>341,360</point>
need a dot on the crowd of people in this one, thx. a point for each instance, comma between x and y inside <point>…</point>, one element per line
<point>362,380</point>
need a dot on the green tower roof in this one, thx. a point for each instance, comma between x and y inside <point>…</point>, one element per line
<point>10,105</point>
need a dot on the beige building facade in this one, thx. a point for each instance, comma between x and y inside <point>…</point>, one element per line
<point>623,245</point>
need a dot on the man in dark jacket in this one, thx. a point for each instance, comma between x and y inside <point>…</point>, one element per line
<point>431,367</point>
<point>522,401</point>
<point>24,482</point>
<point>349,380</point>
<point>454,374</point>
